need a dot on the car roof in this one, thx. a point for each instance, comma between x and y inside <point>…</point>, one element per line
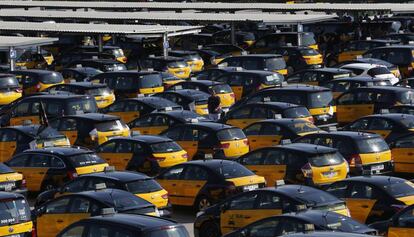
<point>97,117</point>
<point>30,130</point>
<point>326,234</point>
<point>278,105</point>
<point>314,216</point>
<point>87,85</point>
<point>209,125</point>
<point>296,87</point>
<point>394,47</point>
<point>179,114</point>
<point>377,180</point>
<point>392,116</point>
<point>123,176</point>
<point>104,195</point>
<point>168,58</point>
<point>291,190</point>
<point>383,88</point>
<point>64,151</point>
<point>212,164</point>
<point>360,79</point>
<point>144,139</point>
<point>258,56</point>
<point>362,65</point>
<point>58,96</point>
<point>155,102</point>
<point>9,195</point>
<point>37,71</point>
<point>98,60</point>
<point>257,72</point>
<point>329,70</point>
<point>282,121</point>
<point>130,72</point>
<point>203,82</point>
<point>189,93</point>
<point>309,149</point>
<point>349,134</point>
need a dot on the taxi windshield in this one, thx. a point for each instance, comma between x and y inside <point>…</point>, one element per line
<point>230,134</point>
<point>177,231</point>
<point>143,186</point>
<point>222,89</point>
<point>327,159</point>
<point>85,159</point>
<point>405,97</point>
<point>107,126</point>
<point>13,211</point>
<point>274,79</point>
<point>100,91</point>
<point>400,189</point>
<point>229,171</point>
<point>316,197</point>
<point>276,63</point>
<point>296,112</point>
<point>378,71</point>
<point>302,127</point>
<point>320,99</point>
<point>87,105</point>
<point>4,169</point>
<point>372,145</point>
<point>51,78</point>
<point>8,82</point>
<point>164,147</point>
<point>150,81</point>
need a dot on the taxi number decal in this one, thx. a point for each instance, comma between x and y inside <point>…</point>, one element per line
<point>6,221</point>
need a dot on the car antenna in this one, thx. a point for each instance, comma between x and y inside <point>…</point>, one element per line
<point>324,216</point>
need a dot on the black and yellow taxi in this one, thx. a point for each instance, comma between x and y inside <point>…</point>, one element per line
<point>245,208</point>
<point>53,216</point>
<point>206,139</point>
<point>28,108</point>
<point>357,48</point>
<point>326,234</point>
<point>318,76</point>
<point>363,101</point>
<point>124,225</point>
<point>90,130</point>
<point>299,57</point>
<point>16,139</point>
<point>246,82</point>
<point>103,95</point>
<point>202,183</point>
<point>271,132</point>
<point>169,79</point>
<point>270,41</point>
<point>363,151</point>
<point>156,122</point>
<point>115,51</point>
<point>35,80</point>
<point>133,108</point>
<point>139,184</point>
<point>399,55</point>
<point>389,126</point>
<point>247,114</point>
<point>148,154</point>
<point>104,65</point>
<point>79,74</point>
<point>31,59</point>
<point>297,163</point>
<point>10,89</point>
<point>305,221</point>
<point>189,99</point>
<point>399,225</point>
<point>11,181</point>
<point>213,73</point>
<point>265,62</point>
<point>402,149</point>
<point>402,37</point>
<point>192,58</point>
<point>222,90</point>
<point>318,100</point>
<point>374,198</point>
<point>15,216</point>
<point>131,83</point>
<point>174,65</point>
<point>243,38</point>
<point>213,54</point>
<point>51,167</point>
<point>342,85</point>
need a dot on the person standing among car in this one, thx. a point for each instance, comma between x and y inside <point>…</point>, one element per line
<point>214,108</point>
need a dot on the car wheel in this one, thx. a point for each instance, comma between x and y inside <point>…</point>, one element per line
<point>202,203</point>
<point>209,229</point>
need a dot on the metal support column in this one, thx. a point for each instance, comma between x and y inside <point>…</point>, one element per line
<point>114,39</point>
<point>299,30</point>
<point>165,44</point>
<point>233,34</point>
<point>100,44</point>
<point>12,56</point>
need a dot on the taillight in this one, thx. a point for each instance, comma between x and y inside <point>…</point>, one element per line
<point>246,142</point>
<point>307,170</point>
<point>311,119</point>
<point>355,161</point>
<point>165,196</point>
<point>185,156</point>
<point>224,145</point>
<point>157,158</point>
<point>230,188</point>
<point>34,232</point>
<point>24,184</point>
<point>72,175</point>
<point>232,95</point>
<point>18,90</point>
<point>38,86</point>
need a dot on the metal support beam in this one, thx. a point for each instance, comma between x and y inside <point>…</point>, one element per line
<point>100,44</point>
<point>12,56</point>
<point>165,44</point>
<point>233,34</point>
<point>299,30</point>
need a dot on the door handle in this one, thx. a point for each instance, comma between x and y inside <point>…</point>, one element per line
<point>126,159</point>
<point>247,217</point>
<point>364,206</point>
<point>254,171</point>
<point>281,171</point>
<point>410,153</point>
<point>194,145</point>
<point>174,185</point>
<point>59,221</point>
<point>41,173</point>
<point>274,140</point>
<point>253,140</point>
<point>12,146</point>
<point>198,186</point>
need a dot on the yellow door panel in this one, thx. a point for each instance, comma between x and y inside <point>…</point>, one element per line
<point>258,141</point>
<point>232,220</point>
<point>7,150</point>
<point>383,133</point>
<point>71,135</point>
<point>172,187</point>
<point>155,130</point>
<point>242,123</point>
<point>226,100</point>
<point>403,160</point>
<point>238,92</point>
<point>142,130</point>
<point>400,232</point>
<point>189,191</point>
<point>33,176</point>
<point>119,160</point>
<point>127,116</point>
<point>349,55</point>
<point>271,173</point>
<point>190,147</point>
<point>345,113</point>
<point>49,225</point>
<point>20,120</point>
<point>363,110</point>
<point>360,208</point>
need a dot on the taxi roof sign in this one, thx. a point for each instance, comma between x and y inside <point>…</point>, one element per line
<point>300,207</point>
<point>108,211</point>
<point>285,142</point>
<point>332,129</point>
<point>384,111</point>
<point>277,116</point>
<point>279,182</point>
<point>208,156</point>
<point>135,133</point>
<point>100,186</point>
<point>169,108</point>
<point>194,120</point>
<point>109,169</point>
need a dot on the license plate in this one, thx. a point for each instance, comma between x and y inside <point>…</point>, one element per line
<point>330,174</point>
<point>7,187</point>
<point>251,187</point>
<point>377,167</point>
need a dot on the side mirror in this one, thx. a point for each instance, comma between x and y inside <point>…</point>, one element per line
<point>224,207</point>
<point>40,211</point>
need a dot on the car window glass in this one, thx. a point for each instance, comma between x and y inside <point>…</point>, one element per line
<point>143,122</point>
<point>292,227</point>
<point>174,173</point>
<point>68,125</point>
<point>346,99</point>
<point>174,134</point>
<point>405,142</point>
<point>269,129</point>
<point>108,231</point>
<point>259,112</point>
<point>406,219</point>
<point>380,124</point>
<point>56,162</point>
<point>40,161</point>
<point>269,201</point>
<point>80,205</point>
<point>58,206</point>
<point>107,147</point>
<point>22,109</point>
<point>360,124</point>
<point>133,106</point>
<point>253,130</point>
<point>244,202</point>
<point>195,173</point>
<point>8,135</point>
<point>76,231</point>
<point>338,189</point>
<point>274,157</point>
<point>366,97</point>
<point>253,158</point>
<point>160,121</point>
<point>123,147</point>
<point>362,191</point>
<point>54,108</point>
<point>117,107</point>
<point>266,228</point>
<point>241,113</point>
<point>76,185</point>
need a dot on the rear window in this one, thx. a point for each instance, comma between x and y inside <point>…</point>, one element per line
<point>5,169</point>
<point>274,79</point>
<point>230,134</point>
<point>124,201</point>
<point>401,189</point>
<point>342,223</point>
<point>296,112</point>
<point>316,198</point>
<point>178,231</point>
<point>308,39</point>
<point>372,145</point>
<point>51,78</point>
<point>81,106</point>
<point>378,71</point>
<point>192,57</point>
<point>164,147</point>
<point>177,64</point>
<point>405,97</point>
<point>302,127</point>
<point>150,81</point>
<point>326,159</point>
<point>407,122</point>
<point>276,63</point>
<point>320,99</point>
<point>143,186</point>
<point>232,170</point>
<point>309,52</point>
<point>8,82</point>
<point>101,91</point>
<point>107,126</point>
<point>85,159</point>
<point>222,89</point>
<point>13,211</point>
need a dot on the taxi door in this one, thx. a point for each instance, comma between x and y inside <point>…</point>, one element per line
<point>194,179</point>
<point>27,111</point>
<point>7,144</point>
<point>34,176</point>
<point>402,224</point>
<point>346,108</point>
<point>189,141</point>
<point>242,117</point>
<point>124,152</point>
<point>403,153</point>
<point>235,81</point>
<point>158,125</point>
<point>171,180</point>
<point>360,200</point>
<point>69,128</point>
